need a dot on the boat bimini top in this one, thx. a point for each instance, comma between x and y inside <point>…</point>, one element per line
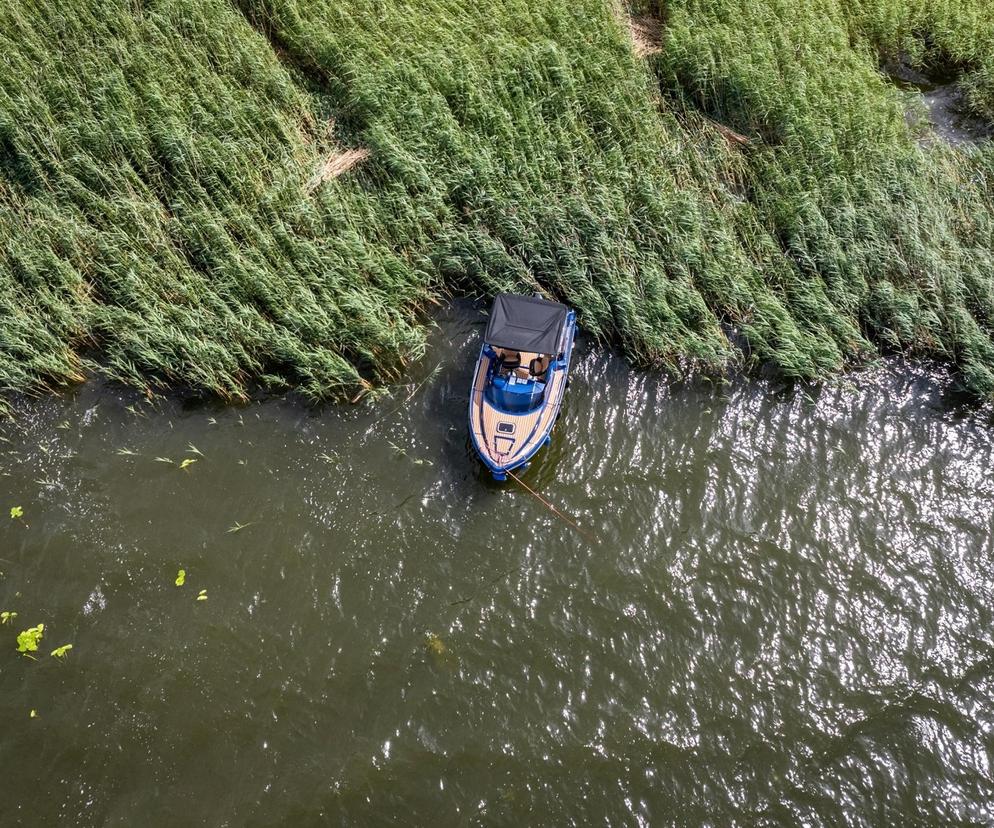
<point>526,323</point>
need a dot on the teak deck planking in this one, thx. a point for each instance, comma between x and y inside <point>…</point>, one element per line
<point>533,425</point>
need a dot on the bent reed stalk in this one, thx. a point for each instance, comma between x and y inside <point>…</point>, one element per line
<point>174,209</point>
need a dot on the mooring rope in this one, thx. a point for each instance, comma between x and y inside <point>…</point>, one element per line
<point>550,507</point>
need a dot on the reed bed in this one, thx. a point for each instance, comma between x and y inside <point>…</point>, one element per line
<point>224,194</point>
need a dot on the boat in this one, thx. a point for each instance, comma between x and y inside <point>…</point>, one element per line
<point>519,380</point>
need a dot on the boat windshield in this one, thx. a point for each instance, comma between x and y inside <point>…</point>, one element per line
<point>515,394</point>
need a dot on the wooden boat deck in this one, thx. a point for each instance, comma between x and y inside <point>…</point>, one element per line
<point>508,439</point>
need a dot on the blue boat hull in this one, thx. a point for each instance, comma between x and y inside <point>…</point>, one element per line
<point>505,439</point>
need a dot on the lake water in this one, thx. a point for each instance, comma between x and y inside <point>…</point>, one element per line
<point>938,100</point>
<point>781,610</point>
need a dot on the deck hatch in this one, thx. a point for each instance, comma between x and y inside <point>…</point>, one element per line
<point>503,446</point>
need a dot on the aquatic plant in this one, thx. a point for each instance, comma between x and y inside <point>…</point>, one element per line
<point>60,652</point>
<point>181,577</point>
<point>435,645</point>
<point>218,194</point>
<point>16,512</point>
<point>28,640</point>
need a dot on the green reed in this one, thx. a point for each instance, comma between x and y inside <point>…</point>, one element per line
<point>175,210</point>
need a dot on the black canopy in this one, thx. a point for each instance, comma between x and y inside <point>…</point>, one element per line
<point>526,323</point>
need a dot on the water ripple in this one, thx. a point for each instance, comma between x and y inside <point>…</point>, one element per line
<point>786,617</point>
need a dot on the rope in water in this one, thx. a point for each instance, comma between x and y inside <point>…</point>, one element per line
<point>550,507</point>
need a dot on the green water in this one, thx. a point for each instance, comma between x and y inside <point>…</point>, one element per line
<point>785,616</point>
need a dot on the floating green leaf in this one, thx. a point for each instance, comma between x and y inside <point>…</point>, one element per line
<point>6,616</point>
<point>60,652</point>
<point>27,641</point>
<point>202,596</point>
<point>181,577</point>
<point>16,512</point>
<point>33,714</point>
<point>187,463</point>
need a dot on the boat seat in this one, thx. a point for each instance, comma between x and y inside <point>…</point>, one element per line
<point>524,365</point>
<point>539,367</point>
<point>507,361</point>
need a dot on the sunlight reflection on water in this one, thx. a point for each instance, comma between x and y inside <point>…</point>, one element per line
<point>786,617</point>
